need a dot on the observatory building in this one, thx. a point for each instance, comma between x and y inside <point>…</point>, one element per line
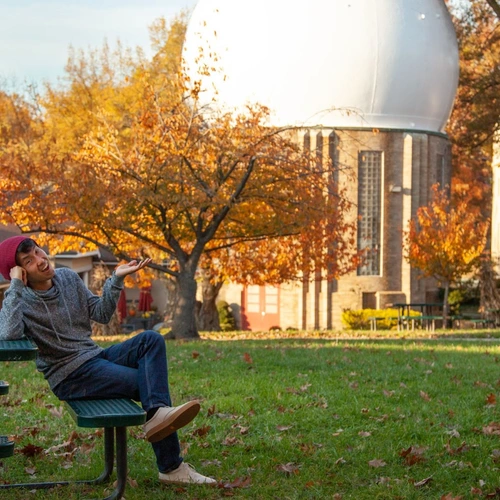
<point>372,84</point>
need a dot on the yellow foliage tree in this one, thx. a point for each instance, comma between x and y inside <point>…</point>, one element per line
<point>444,241</point>
<point>132,163</point>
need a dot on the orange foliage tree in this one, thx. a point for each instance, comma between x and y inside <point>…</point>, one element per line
<point>474,120</point>
<point>129,161</point>
<point>445,242</point>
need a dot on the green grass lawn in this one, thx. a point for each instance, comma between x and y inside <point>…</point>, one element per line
<point>291,418</point>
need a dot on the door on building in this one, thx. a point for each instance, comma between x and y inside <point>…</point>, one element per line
<point>260,311</point>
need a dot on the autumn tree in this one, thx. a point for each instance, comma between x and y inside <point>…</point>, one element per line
<point>475,118</point>
<point>138,167</point>
<point>445,242</point>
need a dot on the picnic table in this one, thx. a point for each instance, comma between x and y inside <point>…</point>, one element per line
<point>427,316</point>
<point>13,350</point>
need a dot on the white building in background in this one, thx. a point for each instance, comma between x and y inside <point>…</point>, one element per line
<point>373,85</point>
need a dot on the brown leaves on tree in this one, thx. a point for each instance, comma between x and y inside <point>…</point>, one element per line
<point>445,241</point>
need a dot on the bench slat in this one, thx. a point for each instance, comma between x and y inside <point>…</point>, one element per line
<point>106,412</point>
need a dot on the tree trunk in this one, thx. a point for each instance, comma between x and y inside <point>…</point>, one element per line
<point>172,298</point>
<point>446,306</point>
<point>184,320</point>
<point>100,274</point>
<point>208,316</point>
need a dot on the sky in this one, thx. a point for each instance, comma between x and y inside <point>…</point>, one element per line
<point>35,35</point>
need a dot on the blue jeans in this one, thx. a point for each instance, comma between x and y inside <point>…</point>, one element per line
<point>136,369</point>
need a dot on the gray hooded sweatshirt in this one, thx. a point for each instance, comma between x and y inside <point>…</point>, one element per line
<point>58,320</point>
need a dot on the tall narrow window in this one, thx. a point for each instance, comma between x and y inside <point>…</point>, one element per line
<point>440,171</point>
<point>307,141</point>
<point>369,211</point>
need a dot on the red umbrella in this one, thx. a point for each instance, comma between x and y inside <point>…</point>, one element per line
<point>122,305</point>
<point>145,299</point>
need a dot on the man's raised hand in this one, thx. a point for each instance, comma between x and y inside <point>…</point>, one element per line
<point>132,267</point>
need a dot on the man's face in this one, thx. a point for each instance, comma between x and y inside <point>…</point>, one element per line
<point>37,266</point>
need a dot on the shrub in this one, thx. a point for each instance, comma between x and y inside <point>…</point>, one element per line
<point>359,319</point>
<point>226,317</point>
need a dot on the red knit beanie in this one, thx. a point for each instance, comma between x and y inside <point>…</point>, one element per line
<point>8,250</point>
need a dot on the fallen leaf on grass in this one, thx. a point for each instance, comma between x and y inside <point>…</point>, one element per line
<point>231,441</point>
<point>309,449</point>
<point>195,354</point>
<point>424,396</point>
<point>289,468</point>
<point>455,451</point>
<point>492,429</point>
<point>30,470</point>
<point>377,462</point>
<point>425,481</point>
<point>239,482</point>
<point>56,412</point>
<point>450,496</point>
<point>215,462</point>
<point>413,455</point>
<point>283,428</point>
<point>247,358</point>
<point>493,494</point>
<point>30,450</point>
<point>491,400</point>
<point>201,431</point>
<point>364,434</point>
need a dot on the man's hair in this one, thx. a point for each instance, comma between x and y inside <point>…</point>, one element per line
<point>25,247</point>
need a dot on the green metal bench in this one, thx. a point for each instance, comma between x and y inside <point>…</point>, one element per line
<point>6,444</point>
<point>114,415</point>
<point>13,350</point>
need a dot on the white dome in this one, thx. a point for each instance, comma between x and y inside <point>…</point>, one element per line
<point>393,63</point>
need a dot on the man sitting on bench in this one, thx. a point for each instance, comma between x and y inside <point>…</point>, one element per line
<point>54,309</point>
